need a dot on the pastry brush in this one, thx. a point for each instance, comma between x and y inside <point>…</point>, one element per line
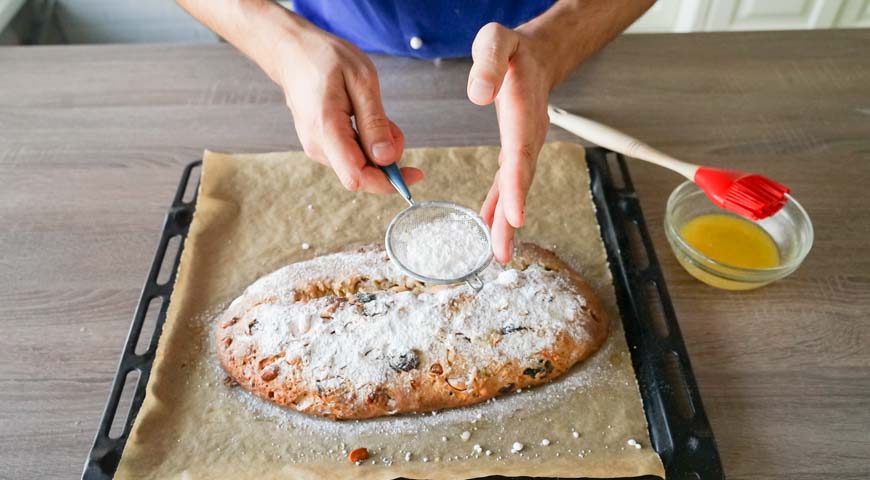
<point>747,194</point>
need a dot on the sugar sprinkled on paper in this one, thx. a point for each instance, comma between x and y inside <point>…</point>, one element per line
<point>535,399</point>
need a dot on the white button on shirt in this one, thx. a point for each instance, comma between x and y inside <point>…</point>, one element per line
<point>416,43</point>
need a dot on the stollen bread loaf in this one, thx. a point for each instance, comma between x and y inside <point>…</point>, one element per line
<point>347,336</point>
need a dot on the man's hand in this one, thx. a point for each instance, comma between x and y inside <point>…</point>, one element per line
<point>326,81</point>
<point>517,69</point>
<point>329,85</point>
<point>507,70</point>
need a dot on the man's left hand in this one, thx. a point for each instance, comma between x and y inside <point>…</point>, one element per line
<point>509,70</point>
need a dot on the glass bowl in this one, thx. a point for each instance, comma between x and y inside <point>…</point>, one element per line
<point>790,229</point>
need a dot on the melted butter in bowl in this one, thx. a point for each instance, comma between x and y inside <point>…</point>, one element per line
<point>731,240</point>
<point>730,252</point>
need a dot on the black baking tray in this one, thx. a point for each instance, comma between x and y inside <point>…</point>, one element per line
<point>678,427</point>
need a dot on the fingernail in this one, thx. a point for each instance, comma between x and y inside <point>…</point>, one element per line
<point>382,151</point>
<point>480,91</point>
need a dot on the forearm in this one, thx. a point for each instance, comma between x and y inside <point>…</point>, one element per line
<point>573,30</point>
<point>259,28</point>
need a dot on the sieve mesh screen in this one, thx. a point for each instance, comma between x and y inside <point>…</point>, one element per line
<point>439,242</point>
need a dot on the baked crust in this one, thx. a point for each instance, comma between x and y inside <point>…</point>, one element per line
<point>346,336</point>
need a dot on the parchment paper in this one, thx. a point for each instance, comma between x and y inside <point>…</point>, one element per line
<point>253,214</point>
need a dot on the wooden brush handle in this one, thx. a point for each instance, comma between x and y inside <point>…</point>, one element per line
<point>617,141</point>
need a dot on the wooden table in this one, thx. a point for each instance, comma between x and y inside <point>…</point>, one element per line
<point>93,139</point>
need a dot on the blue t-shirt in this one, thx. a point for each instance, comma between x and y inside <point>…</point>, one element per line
<point>439,29</point>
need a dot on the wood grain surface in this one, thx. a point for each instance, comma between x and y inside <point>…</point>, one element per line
<point>93,140</point>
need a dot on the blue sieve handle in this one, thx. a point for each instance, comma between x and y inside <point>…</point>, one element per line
<point>395,176</point>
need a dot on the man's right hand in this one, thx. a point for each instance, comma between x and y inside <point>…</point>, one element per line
<point>329,85</point>
<point>327,81</point>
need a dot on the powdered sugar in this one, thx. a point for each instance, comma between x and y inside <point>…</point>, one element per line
<point>448,247</point>
<point>516,315</point>
<point>515,405</point>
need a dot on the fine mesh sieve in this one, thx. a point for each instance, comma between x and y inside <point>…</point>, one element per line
<point>437,242</point>
<point>440,242</point>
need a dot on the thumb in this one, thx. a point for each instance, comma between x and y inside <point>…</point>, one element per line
<point>491,52</point>
<point>375,129</point>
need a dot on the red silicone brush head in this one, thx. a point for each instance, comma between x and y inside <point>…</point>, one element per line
<point>746,194</point>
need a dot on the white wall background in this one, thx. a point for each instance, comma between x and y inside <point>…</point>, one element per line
<point>130,21</point>
<point>734,15</point>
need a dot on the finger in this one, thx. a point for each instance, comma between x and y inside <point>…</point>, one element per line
<point>514,183</point>
<point>373,179</point>
<point>502,236</point>
<point>339,144</point>
<point>367,178</point>
<point>522,134</point>
<point>398,138</point>
<point>491,52</point>
<point>487,210</point>
<point>375,129</point>
<point>411,175</point>
<point>348,161</point>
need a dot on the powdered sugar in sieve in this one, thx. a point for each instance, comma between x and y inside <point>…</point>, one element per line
<point>439,242</point>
